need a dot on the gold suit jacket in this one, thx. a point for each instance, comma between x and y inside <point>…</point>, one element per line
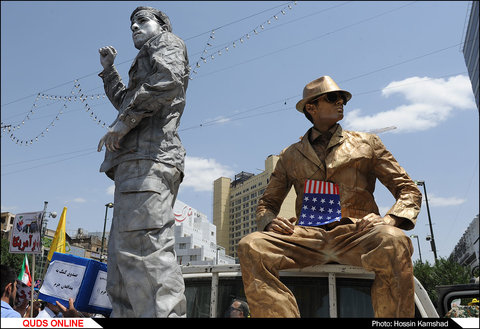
<point>354,161</point>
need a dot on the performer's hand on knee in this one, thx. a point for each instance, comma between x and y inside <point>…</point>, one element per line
<point>281,225</point>
<point>375,219</point>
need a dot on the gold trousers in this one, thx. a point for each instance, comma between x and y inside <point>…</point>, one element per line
<point>383,249</point>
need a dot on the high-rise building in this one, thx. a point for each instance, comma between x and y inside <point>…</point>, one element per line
<point>235,204</point>
<point>470,48</point>
<point>196,238</point>
<point>466,251</point>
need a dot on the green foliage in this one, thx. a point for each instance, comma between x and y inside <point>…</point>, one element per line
<point>12,260</point>
<point>443,272</point>
<point>46,242</point>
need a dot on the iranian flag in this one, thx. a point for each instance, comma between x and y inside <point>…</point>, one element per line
<point>24,275</point>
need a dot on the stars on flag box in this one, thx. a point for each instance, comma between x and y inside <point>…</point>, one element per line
<point>321,203</point>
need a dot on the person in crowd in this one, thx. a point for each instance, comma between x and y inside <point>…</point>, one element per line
<point>238,309</point>
<point>8,288</point>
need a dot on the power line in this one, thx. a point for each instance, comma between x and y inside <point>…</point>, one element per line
<point>367,73</point>
<point>309,40</point>
<point>206,55</point>
<point>229,118</point>
<point>238,20</point>
<point>268,54</point>
<point>400,63</point>
<point>223,119</point>
<point>406,84</point>
<point>49,163</point>
<point>204,124</point>
<point>263,30</point>
<point>129,60</point>
<point>79,94</point>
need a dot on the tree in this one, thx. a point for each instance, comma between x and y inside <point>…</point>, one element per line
<point>443,272</point>
<point>12,260</point>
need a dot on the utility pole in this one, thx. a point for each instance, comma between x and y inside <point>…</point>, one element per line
<point>432,238</point>
<point>108,205</point>
<point>418,243</point>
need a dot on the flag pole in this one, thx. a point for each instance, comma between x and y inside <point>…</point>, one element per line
<point>45,266</point>
<point>56,240</point>
<point>32,274</point>
<point>42,236</point>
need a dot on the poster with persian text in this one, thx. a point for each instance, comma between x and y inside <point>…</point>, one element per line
<point>26,233</point>
<point>99,295</point>
<point>82,279</point>
<point>63,280</point>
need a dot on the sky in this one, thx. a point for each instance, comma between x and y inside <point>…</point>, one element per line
<point>402,61</point>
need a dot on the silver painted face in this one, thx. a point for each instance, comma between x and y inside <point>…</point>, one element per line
<point>144,26</point>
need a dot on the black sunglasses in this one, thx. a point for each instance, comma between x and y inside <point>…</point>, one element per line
<point>333,97</point>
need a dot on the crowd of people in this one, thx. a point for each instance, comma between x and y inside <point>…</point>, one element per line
<point>41,309</point>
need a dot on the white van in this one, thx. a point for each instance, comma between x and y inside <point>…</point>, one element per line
<point>331,290</point>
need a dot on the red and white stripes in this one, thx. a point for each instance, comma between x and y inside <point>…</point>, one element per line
<point>315,186</point>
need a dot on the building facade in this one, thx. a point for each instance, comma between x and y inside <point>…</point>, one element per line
<point>6,224</point>
<point>89,245</point>
<point>471,49</point>
<point>196,238</point>
<point>235,204</point>
<point>466,252</point>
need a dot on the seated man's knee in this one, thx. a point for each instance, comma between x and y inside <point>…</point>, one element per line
<point>390,230</point>
<point>247,244</point>
<point>394,235</point>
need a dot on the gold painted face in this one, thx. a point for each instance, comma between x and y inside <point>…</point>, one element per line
<point>327,109</point>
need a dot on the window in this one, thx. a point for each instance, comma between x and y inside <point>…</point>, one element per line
<point>311,293</point>
<point>353,298</point>
<point>197,293</point>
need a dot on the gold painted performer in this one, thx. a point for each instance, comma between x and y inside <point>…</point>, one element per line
<point>348,163</point>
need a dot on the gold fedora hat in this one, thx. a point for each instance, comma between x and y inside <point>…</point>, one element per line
<point>319,87</point>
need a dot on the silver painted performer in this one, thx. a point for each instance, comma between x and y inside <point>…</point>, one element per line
<point>145,158</point>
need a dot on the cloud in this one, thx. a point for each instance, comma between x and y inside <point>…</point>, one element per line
<point>76,200</point>
<point>433,201</point>
<point>111,190</point>
<point>11,209</point>
<point>200,173</point>
<point>429,103</point>
<point>215,121</point>
<point>437,201</point>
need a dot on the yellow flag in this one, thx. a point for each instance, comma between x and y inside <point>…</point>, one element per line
<point>58,243</point>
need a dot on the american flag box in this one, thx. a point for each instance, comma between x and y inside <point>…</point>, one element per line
<point>321,203</point>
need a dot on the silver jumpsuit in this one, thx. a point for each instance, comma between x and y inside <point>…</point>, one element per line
<point>144,279</point>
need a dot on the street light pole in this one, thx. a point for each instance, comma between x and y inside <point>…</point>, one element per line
<point>44,265</point>
<point>108,205</point>
<point>432,241</point>
<point>418,243</point>
<point>43,258</point>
